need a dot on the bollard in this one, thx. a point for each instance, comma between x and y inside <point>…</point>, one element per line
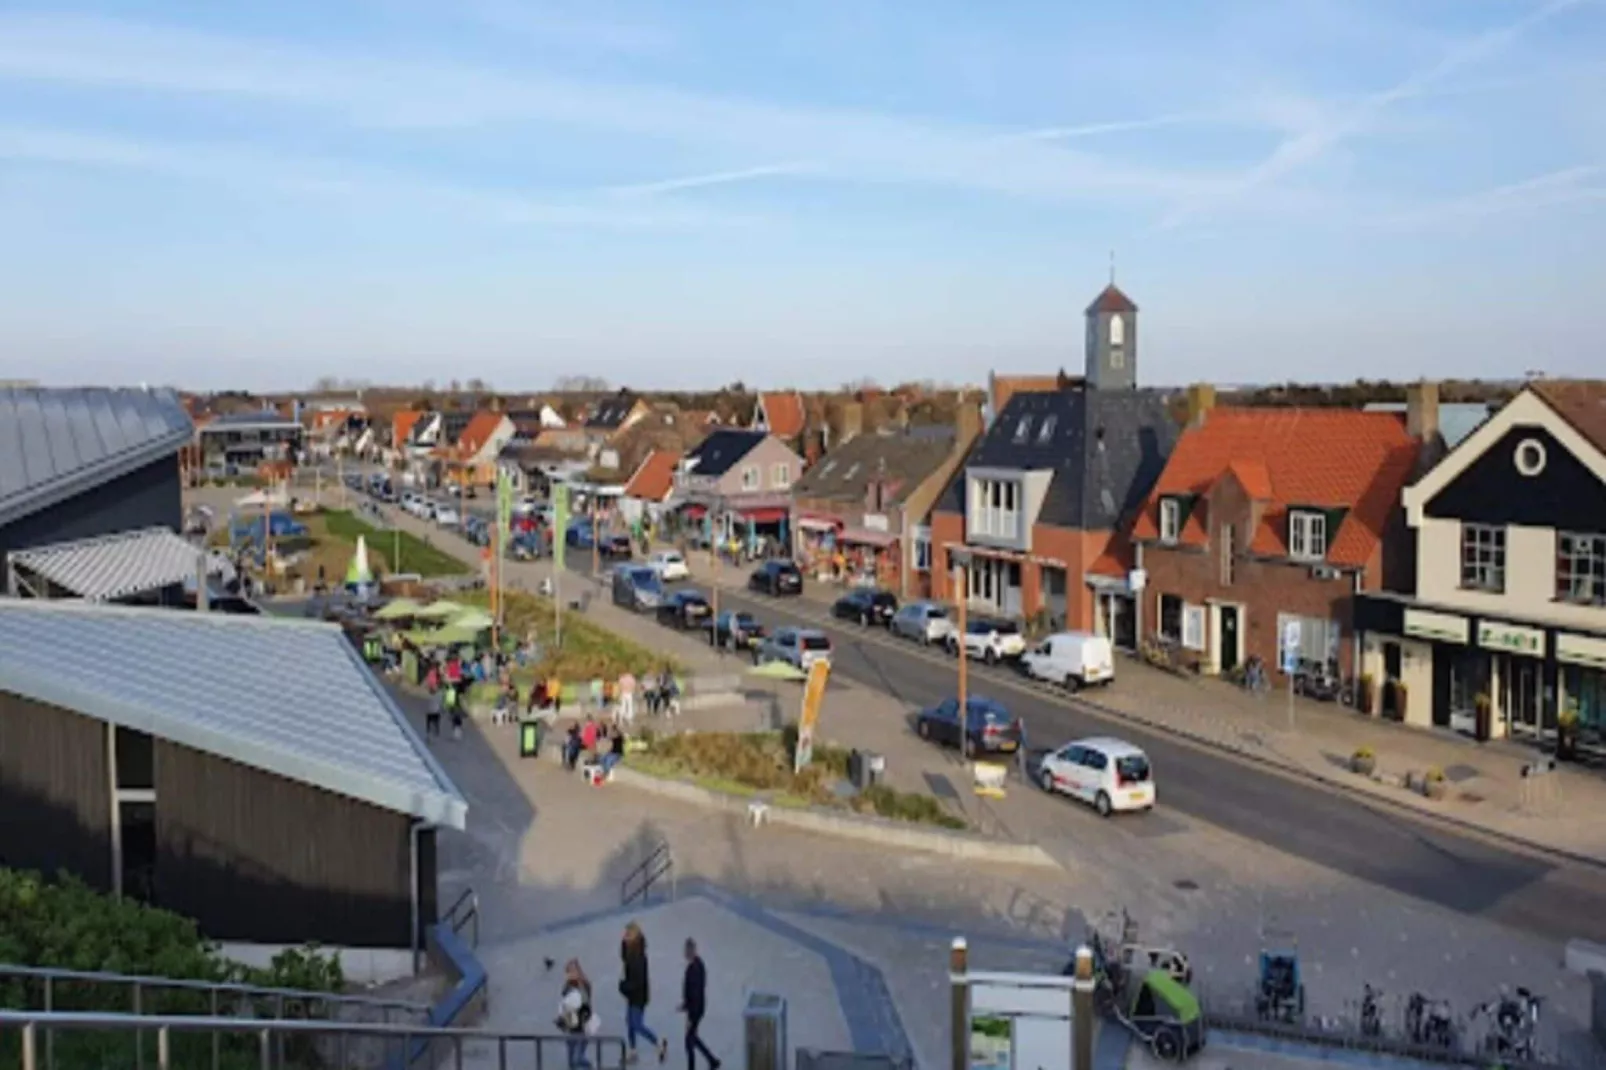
<point>959,1006</point>
<point>1083,1024</point>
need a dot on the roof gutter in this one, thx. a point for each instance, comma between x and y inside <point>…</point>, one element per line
<point>52,492</point>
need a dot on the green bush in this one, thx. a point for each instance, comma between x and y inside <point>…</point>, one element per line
<point>63,924</point>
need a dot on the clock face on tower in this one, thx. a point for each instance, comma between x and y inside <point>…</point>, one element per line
<point>1117,330</point>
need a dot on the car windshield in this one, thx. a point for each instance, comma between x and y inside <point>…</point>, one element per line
<point>694,599</point>
<point>1132,768</point>
<point>936,613</point>
<point>784,569</point>
<point>882,598</point>
<point>816,642</point>
<point>744,619</point>
<point>646,579</point>
<point>1006,627</point>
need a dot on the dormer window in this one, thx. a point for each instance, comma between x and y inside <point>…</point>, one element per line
<point>1307,535</point>
<point>1046,432</point>
<point>1170,520</point>
<point>1023,430</point>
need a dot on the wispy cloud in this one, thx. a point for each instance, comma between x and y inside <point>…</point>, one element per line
<point>714,178</point>
<point>237,168</point>
<point>849,145</point>
<point>1582,184</point>
<point>543,23</point>
<point>1319,138</point>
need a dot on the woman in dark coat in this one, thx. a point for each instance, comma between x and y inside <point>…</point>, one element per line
<point>634,987</point>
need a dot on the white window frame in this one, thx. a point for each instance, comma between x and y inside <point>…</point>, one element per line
<point>1193,627</point>
<point>920,549</point>
<point>1483,558</point>
<point>781,475</point>
<point>1581,568</point>
<point>997,508</point>
<point>1307,535</point>
<point>1170,520</point>
<point>752,477</point>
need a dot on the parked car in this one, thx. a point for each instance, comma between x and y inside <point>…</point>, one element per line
<point>616,548</point>
<point>670,565</point>
<point>988,729</point>
<point>991,641</point>
<point>1108,774</point>
<point>1075,659</point>
<point>527,546</point>
<point>446,516</point>
<point>637,587</point>
<point>799,647</point>
<point>737,630</point>
<point>866,605</point>
<point>685,609</point>
<point>924,622</point>
<point>777,578</point>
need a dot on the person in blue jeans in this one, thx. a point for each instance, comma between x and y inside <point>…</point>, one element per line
<point>634,987</point>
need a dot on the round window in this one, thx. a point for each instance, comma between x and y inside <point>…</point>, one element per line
<point>1530,456</point>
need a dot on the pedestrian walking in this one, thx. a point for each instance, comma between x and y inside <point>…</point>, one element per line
<point>432,718</point>
<point>694,1004</point>
<point>454,709</point>
<point>627,698</point>
<point>576,1020</point>
<point>634,987</point>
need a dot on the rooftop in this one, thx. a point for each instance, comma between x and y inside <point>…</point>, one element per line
<point>289,697</point>
<point>902,462</point>
<point>784,413</point>
<point>55,444</point>
<point>113,567</point>
<point>655,478</point>
<point>1580,402</point>
<point>723,448</point>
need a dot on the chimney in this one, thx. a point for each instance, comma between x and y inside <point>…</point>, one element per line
<point>1201,399</point>
<point>852,421</point>
<point>1422,411</point>
<point>967,424</point>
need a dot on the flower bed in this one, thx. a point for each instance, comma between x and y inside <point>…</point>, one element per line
<point>760,763</point>
<point>588,651</point>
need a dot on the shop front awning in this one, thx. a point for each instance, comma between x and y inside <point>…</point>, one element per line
<point>866,537</point>
<point>765,515</point>
<point>113,567</point>
<point>693,510</point>
<point>818,523</point>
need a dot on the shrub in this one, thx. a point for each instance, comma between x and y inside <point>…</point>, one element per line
<point>1363,754</point>
<point>1435,775</point>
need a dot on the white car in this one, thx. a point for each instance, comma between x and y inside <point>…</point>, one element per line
<point>670,565</point>
<point>991,641</point>
<point>446,516</point>
<point>1108,774</point>
<point>1075,659</point>
<point>924,622</point>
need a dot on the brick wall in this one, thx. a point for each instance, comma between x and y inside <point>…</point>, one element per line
<point>1077,549</point>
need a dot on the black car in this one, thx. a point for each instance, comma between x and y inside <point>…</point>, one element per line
<point>616,548</point>
<point>737,630</point>
<point>989,728</point>
<point>685,609</point>
<point>776,577</point>
<point>867,606</point>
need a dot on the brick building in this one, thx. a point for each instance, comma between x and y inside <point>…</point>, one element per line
<point>1265,517</point>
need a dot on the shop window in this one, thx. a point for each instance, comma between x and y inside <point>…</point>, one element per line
<point>1581,568</point>
<point>1171,617</point>
<point>1483,557</point>
<point>1319,642</point>
<point>1193,627</point>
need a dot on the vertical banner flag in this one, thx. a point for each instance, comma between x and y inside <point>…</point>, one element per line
<point>813,695</point>
<point>504,507</point>
<point>560,524</point>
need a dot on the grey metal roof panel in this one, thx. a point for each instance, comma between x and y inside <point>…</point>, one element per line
<point>110,567</point>
<point>289,697</point>
<point>55,443</point>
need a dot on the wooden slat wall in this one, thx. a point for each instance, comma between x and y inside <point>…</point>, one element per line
<point>254,857</point>
<point>55,792</point>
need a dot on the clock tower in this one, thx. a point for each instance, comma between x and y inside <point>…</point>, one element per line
<point>1112,341</point>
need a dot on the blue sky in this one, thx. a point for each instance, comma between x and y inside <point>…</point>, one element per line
<point>682,194</point>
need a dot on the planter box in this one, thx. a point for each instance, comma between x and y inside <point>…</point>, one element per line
<point>1363,766</point>
<point>1435,789</point>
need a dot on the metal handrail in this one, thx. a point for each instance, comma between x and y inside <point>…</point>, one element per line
<point>457,917</point>
<point>658,864</point>
<point>51,975</point>
<point>270,1035</point>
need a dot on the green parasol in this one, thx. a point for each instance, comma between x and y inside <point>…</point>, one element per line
<point>400,609</point>
<point>442,610</point>
<point>476,619</point>
<point>451,635</point>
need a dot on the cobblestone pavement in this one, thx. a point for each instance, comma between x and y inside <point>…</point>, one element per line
<point>542,847</point>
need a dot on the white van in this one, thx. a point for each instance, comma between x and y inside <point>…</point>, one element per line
<point>1075,659</point>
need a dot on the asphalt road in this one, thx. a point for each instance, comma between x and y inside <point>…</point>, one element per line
<point>1529,891</point>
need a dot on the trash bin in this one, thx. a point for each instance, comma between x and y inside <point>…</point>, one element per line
<point>875,766</point>
<point>529,739</point>
<point>764,1029</point>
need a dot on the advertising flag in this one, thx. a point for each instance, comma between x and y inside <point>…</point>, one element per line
<point>560,524</point>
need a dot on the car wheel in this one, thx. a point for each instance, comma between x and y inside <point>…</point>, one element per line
<point>1102,805</point>
<point>925,638</point>
<point>988,656</point>
<point>1167,1045</point>
<point>864,620</point>
<point>1072,683</point>
<point>923,730</point>
<point>1046,778</point>
<point>969,748</point>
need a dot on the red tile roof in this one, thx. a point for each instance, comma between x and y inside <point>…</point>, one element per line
<point>784,413</point>
<point>1111,299</point>
<point>1325,458</point>
<point>402,425</point>
<point>478,431</point>
<point>655,478</point>
<point>1581,403</point>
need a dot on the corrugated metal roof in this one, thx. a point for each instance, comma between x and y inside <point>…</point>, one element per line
<point>57,443</point>
<point>110,567</point>
<point>289,697</point>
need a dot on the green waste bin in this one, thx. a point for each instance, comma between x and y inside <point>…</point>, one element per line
<point>529,739</point>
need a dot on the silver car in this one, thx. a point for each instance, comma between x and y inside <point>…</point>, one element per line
<point>798,647</point>
<point>924,622</point>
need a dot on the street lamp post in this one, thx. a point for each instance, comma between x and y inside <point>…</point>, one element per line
<point>959,563</point>
<point>713,577</point>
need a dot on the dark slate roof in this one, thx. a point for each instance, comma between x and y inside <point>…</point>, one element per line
<point>902,462</point>
<point>610,413</point>
<point>55,444</point>
<point>1105,447</point>
<point>716,454</point>
<point>454,423</point>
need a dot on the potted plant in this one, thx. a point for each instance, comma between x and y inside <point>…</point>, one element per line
<point>1434,786</point>
<point>1363,761</point>
<point>1482,717</point>
<point>1402,694</point>
<point>1365,693</point>
<point>1567,734</point>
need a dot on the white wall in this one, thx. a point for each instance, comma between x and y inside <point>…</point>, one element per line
<point>1530,577</point>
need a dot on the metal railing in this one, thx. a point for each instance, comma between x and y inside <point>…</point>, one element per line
<point>292,1045</point>
<point>638,883</point>
<point>465,913</point>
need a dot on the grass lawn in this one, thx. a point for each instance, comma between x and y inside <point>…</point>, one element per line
<point>412,553</point>
<point>588,651</point>
<point>760,763</point>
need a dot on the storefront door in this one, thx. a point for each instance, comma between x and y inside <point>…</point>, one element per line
<point>1522,682</point>
<point>1229,637</point>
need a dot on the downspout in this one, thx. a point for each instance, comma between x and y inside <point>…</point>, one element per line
<point>1138,596</point>
<point>1355,631</point>
<point>416,940</point>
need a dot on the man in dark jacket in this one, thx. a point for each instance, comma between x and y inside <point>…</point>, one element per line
<point>694,1002</point>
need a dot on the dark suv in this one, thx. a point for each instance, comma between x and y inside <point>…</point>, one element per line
<point>867,606</point>
<point>776,577</point>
